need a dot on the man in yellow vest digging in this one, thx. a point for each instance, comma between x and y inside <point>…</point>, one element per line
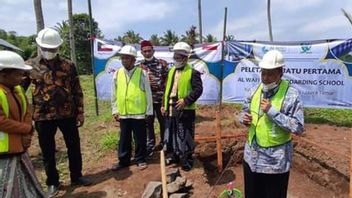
<point>273,112</point>
<point>17,175</point>
<point>131,101</point>
<point>183,88</point>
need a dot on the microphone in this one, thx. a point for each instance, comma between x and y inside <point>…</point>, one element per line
<point>265,95</point>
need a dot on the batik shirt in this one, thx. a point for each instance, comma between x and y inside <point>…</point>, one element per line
<point>157,71</point>
<point>278,159</point>
<point>57,92</point>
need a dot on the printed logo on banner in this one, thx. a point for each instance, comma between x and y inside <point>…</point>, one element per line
<point>306,48</point>
<point>266,48</point>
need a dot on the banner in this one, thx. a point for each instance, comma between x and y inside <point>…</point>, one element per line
<point>320,70</point>
<point>205,58</point>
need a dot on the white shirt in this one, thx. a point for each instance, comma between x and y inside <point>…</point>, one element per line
<point>144,85</point>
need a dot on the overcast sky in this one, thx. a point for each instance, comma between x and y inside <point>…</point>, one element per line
<point>292,20</point>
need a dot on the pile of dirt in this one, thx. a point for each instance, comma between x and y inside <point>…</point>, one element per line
<point>320,165</point>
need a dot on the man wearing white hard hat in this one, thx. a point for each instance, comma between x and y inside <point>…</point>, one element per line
<point>183,88</point>
<point>273,112</point>
<point>131,102</point>
<point>57,103</point>
<point>17,173</point>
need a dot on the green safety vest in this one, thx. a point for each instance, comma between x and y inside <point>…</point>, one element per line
<point>131,99</point>
<point>4,137</point>
<point>184,86</point>
<point>267,133</point>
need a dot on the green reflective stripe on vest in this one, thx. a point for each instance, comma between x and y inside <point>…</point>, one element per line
<point>184,86</point>
<point>4,137</point>
<point>20,92</point>
<point>131,99</point>
<point>267,133</point>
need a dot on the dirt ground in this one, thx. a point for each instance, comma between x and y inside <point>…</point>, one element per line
<point>320,168</point>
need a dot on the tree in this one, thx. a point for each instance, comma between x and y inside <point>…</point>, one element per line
<point>26,43</point>
<point>155,40</point>
<point>130,37</point>
<point>81,32</point>
<point>269,20</point>
<point>229,37</point>
<point>169,38</point>
<point>120,39</point>
<point>63,28</point>
<point>71,35</point>
<point>191,36</point>
<point>38,14</point>
<point>3,34</point>
<point>210,39</point>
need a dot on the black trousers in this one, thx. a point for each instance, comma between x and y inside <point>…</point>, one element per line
<point>127,126</point>
<point>259,185</point>
<point>46,133</point>
<point>150,126</point>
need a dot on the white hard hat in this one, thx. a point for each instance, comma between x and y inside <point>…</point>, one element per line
<point>11,60</point>
<point>182,48</point>
<point>128,50</point>
<point>48,38</point>
<point>272,59</point>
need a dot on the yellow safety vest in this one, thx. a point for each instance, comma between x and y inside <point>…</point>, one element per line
<point>4,137</point>
<point>184,86</point>
<point>131,99</point>
<point>267,133</point>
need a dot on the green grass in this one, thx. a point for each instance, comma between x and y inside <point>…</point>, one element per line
<point>105,137</point>
<point>109,141</point>
<point>338,117</point>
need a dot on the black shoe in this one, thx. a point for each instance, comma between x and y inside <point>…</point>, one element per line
<point>117,166</point>
<point>82,181</point>
<point>53,190</point>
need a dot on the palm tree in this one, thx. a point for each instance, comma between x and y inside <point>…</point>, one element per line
<point>38,14</point>
<point>347,15</point>
<point>71,34</point>
<point>269,20</point>
<point>229,37</point>
<point>191,36</point>
<point>169,38</point>
<point>62,27</point>
<point>155,40</point>
<point>210,38</point>
<point>38,17</point>
<point>131,37</point>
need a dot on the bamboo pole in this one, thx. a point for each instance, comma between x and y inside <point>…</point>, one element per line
<point>218,140</point>
<point>351,170</point>
<point>218,112</point>
<point>163,173</point>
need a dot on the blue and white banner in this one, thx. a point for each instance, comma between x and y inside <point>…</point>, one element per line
<point>320,70</point>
